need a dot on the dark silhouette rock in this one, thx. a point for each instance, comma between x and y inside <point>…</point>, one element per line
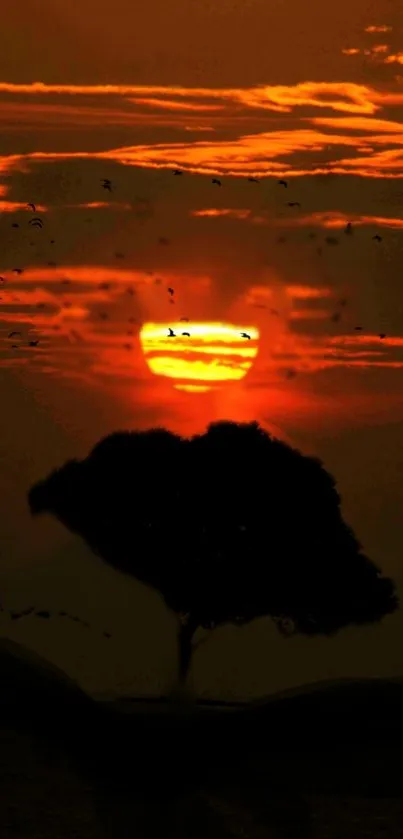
<point>229,525</point>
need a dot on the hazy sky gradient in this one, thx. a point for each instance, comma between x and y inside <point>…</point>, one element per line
<point>301,92</point>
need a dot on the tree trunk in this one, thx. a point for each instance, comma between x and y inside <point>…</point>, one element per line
<point>187,629</point>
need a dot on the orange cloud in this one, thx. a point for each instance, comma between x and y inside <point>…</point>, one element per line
<point>378,28</point>
<point>344,96</point>
<point>397,58</point>
<point>213,212</point>
<point>171,105</point>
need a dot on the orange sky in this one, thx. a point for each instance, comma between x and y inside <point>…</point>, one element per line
<point>301,92</point>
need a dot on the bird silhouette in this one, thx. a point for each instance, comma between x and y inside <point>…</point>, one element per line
<point>358,328</point>
<point>43,614</point>
<point>14,334</point>
<point>283,183</point>
<point>36,222</point>
<point>187,334</point>
<point>107,184</point>
<point>18,270</point>
<point>348,228</point>
<point>33,343</point>
<point>377,238</point>
<point>177,172</point>
<point>382,335</point>
<point>184,320</point>
<point>14,224</point>
<point>245,335</point>
<point>254,180</point>
<point>171,291</point>
<point>216,181</point>
<point>31,207</point>
<point>293,204</point>
<point>171,333</point>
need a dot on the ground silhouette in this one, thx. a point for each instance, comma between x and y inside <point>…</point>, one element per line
<point>229,525</point>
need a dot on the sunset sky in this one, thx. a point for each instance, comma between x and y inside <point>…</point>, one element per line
<point>306,93</point>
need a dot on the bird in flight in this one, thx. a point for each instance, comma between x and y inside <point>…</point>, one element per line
<point>293,204</point>
<point>187,334</point>
<point>283,183</point>
<point>106,184</point>
<point>14,224</point>
<point>216,181</point>
<point>377,238</point>
<point>43,614</point>
<point>171,291</point>
<point>14,334</point>
<point>348,228</point>
<point>245,335</point>
<point>18,270</point>
<point>36,222</point>
<point>382,335</point>
<point>177,172</point>
<point>184,320</point>
<point>254,180</point>
<point>33,343</point>
<point>171,333</point>
<point>358,328</point>
<point>31,207</point>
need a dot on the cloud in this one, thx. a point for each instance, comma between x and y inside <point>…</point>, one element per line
<point>376,28</point>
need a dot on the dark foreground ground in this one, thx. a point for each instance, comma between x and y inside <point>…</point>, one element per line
<point>326,764</point>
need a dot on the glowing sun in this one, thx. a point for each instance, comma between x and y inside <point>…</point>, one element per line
<point>199,356</point>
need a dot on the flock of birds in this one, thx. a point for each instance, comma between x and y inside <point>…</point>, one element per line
<point>44,614</point>
<point>37,222</point>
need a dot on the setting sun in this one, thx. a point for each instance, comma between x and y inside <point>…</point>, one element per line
<point>199,355</point>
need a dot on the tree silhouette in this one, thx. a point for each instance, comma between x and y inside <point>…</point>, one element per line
<point>228,526</point>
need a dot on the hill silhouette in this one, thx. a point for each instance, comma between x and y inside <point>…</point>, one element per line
<point>262,770</point>
<point>228,526</point>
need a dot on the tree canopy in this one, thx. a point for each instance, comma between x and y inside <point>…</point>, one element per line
<point>228,525</point>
